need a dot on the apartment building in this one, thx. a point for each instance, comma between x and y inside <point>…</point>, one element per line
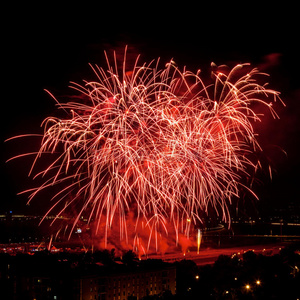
<point>127,285</point>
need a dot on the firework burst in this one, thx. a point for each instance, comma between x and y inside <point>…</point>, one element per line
<point>155,144</point>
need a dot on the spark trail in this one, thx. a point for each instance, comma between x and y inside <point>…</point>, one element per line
<point>155,144</point>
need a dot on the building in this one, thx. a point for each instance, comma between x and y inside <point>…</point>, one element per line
<point>127,285</point>
<point>45,276</point>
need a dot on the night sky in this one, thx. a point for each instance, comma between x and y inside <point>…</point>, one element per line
<point>45,47</point>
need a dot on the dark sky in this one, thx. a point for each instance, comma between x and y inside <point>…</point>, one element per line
<point>47,46</point>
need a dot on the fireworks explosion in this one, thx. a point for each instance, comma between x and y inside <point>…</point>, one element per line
<point>143,153</point>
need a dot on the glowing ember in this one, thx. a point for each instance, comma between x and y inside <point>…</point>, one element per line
<point>199,237</point>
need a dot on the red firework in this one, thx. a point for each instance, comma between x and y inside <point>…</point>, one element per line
<point>152,145</point>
